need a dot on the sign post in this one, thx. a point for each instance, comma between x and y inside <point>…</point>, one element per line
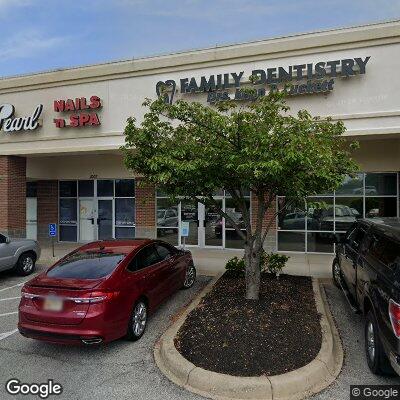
<point>184,231</point>
<point>52,235</point>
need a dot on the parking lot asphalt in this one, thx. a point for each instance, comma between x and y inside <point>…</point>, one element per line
<point>123,369</point>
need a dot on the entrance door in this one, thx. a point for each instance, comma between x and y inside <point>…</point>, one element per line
<point>31,218</point>
<point>205,224</point>
<point>86,220</point>
<point>105,219</point>
<point>213,226</point>
<point>190,213</point>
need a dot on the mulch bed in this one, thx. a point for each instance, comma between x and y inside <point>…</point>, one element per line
<point>228,334</point>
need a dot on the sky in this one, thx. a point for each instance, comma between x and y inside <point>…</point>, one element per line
<point>40,35</point>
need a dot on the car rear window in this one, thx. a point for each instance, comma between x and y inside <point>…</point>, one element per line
<point>86,265</point>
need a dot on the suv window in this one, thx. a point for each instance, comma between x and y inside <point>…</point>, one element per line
<point>145,258</point>
<point>391,253</point>
<point>356,237</point>
<point>2,238</point>
<point>376,247</point>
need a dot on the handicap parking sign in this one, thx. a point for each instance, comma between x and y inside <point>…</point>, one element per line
<point>52,230</point>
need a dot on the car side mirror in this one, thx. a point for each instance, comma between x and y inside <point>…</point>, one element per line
<point>8,240</point>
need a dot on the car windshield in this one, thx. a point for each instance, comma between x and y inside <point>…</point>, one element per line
<point>86,265</point>
<point>160,213</point>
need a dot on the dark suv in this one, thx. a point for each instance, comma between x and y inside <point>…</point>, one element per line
<point>367,268</point>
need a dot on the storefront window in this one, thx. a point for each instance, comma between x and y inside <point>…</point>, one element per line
<point>312,229</point>
<point>105,188</point>
<point>124,208</point>
<point>167,219</point>
<point>232,238</point>
<point>124,188</point>
<point>68,189</point>
<point>68,214</point>
<point>86,188</point>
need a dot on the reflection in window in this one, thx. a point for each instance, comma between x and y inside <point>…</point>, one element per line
<point>368,195</point>
<point>320,242</point>
<point>381,184</point>
<point>168,219</point>
<point>351,186</point>
<point>124,212</point>
<point>291,241</point>
<point>380,207</point>
<point>292,216</point>
<point>320,214</point>
<point>168,235</point>
<point>232,238</point>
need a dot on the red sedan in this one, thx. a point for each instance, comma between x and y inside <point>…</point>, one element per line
<point>103,291</point>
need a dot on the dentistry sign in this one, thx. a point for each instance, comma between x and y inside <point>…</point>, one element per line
<point>295,79</point>
<point>11,123</point>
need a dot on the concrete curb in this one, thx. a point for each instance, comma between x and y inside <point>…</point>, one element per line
<point>294,385</point>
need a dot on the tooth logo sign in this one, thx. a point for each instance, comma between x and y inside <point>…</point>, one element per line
<point>9,123</point>
<point>166,89</point>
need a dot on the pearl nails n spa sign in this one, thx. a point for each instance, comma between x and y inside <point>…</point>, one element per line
<point>83,113</point>
<point>10,123</point>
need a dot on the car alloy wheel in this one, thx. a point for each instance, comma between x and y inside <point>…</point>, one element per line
<point>27,264</point>
<point>190,277</point>
<point>139,319</point>
<point>371,341</point>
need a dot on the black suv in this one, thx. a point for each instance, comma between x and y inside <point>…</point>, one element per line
<point>367,268</point>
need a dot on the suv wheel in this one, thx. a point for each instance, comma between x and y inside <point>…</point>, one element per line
<point>336,273</point>
<point>137,321</point>
<point>377,360</point>
<point>26,264</point>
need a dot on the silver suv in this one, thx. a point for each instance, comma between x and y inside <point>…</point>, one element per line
<point>18,254</point>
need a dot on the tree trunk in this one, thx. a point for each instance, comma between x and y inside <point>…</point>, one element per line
<point>252,255</point>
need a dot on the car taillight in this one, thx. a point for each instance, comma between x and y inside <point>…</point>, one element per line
<point>25,294</point>
<point>95,297</point>
<point>394,315</point>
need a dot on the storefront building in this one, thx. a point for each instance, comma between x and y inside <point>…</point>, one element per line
<point>61,132</point>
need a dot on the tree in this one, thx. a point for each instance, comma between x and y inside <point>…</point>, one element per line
<point>192,150</point>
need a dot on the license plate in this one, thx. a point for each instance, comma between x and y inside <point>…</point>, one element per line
<point>52,304</point>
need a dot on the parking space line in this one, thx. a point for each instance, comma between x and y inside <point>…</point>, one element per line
<point>9,313</point>
<point>14,286</point>
<point>7,334</point>
<point>10,298</point>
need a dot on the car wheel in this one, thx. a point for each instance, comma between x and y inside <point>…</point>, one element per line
<point>377,360</point>
<point>336,273</point>
<point>190,277</point>
<point>137,321</point>
<point>26,264</point>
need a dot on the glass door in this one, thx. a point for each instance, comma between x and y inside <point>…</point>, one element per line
<point>213,225</point>
<point>86,220</point>
<point>31,218</point>
<point>105,221</point>
<point>190,214</point>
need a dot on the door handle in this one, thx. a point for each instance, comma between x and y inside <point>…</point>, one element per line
<point>92,220</point>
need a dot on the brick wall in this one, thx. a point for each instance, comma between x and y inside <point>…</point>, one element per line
<point>145,210</point>
<point>270,241</point>
<point>47,206</point>
<point>13,195</point>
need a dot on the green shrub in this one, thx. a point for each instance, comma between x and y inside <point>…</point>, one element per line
<point>274,263</point>
<point>269,262</point>
<point>235,266</point>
